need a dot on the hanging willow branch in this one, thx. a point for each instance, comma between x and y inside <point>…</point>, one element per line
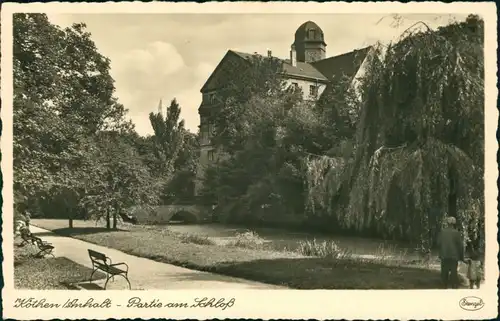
<point>376,155</point>
<point>425,96</point>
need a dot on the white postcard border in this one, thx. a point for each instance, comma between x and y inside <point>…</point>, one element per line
<point>254,304</point>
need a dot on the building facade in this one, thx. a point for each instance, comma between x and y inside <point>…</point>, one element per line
<point>306,68</point>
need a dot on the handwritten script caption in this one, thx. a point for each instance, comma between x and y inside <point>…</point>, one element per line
<point>134,302</point>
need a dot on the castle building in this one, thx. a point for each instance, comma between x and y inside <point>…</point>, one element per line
<point>306,68</point>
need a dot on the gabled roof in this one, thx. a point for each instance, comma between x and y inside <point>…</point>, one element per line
<point>324,70</point>
<point>346,64</point>
<point>228,53</point>
<point>302,69</point>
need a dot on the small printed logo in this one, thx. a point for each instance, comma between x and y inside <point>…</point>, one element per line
<point>471,303</point>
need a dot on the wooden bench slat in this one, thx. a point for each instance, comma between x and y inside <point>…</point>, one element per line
<point>111,269</point>
<point>97,255</point>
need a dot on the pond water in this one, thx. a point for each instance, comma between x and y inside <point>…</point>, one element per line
<point>285,239</point>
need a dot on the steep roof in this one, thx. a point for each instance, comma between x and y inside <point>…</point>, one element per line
<point>229,53</point>
<point>301,69</point>
<point>346,64</point>
<point>324,70</point>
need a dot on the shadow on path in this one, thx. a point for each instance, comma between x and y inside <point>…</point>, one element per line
<point>64,232</point>
<point>91,286</point>
<point>317,273</point>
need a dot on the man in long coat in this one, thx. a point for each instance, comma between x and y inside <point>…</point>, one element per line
<point>451,251</point>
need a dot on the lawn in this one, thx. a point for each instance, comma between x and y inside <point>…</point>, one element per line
<point>273,267</point>
<point>46,273</point>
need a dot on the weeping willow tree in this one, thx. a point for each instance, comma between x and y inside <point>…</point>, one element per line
<point>420,139</point>
<point>320,174</point>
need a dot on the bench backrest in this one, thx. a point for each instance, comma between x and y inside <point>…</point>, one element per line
<point>38,241</point>
<point>25,236</point>
<point>25,232</point>
<point>97,256</point>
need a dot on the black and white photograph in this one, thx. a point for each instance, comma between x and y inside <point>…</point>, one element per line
<point>238,151</point>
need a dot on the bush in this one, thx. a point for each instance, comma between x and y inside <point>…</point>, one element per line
<point>248,239</point>
<point>195,239</point>
<point>325,249</point>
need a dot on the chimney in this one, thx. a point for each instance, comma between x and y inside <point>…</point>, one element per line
<point>293,56</point>
<point>269,53</point>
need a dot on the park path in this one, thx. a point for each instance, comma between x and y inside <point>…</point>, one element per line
<point>144,274</point>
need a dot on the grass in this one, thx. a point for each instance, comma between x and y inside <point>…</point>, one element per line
<point>315,265</point>
<point>46,273</point>
<point>194,238</point>
<point>248,240</point>
<point>323,249</point>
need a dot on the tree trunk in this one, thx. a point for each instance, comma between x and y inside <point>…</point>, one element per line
<point>452,205</point>
<point>114,219</point>
<point>452,198</point>
<point>68,210</point>
<point>108,222</point>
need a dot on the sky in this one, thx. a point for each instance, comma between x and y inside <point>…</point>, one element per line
<point>167,56</point>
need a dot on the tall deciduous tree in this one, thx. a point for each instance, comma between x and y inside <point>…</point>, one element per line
<point>180,187</point>
<point>63,68</point>
<point>63,96</point>
<point>168,138</point>
<point>172,153</point>
<point>120,179</point>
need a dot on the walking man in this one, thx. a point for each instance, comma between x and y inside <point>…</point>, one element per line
<point>451,251</point>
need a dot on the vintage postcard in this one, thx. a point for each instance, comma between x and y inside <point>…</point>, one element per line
<point>278,160</point>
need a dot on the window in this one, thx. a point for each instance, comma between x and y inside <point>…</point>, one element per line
<point>313,91</point>
<point>209,98</point>
<point>211,155</point>
<point>312,33</point>
<point>295,86</point>
<point>204,133</point>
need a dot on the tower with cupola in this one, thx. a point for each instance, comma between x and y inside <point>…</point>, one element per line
<point>309,43</point>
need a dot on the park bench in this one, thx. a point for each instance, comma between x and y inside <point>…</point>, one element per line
<point>26,236</point>
<point>103,263</point>
<point>44,247</point>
